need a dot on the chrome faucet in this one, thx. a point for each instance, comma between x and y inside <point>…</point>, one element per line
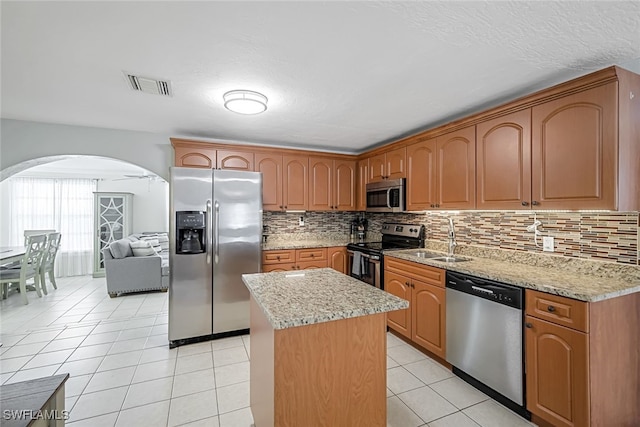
<point>452,237</point>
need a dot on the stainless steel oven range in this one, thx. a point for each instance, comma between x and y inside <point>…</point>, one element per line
<point>366,260</point>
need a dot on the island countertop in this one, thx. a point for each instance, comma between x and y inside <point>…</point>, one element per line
<point>299,298</point>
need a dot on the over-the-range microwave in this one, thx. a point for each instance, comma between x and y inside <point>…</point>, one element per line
<point>386,196</point>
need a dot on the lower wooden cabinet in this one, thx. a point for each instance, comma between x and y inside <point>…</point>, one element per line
<point>424,321</point>
<point>338,258</point>
<point>556,360</point>
<point>582,361</point>
<point>294,259</point>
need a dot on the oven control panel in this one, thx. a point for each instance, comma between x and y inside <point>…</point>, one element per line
<point>404,230</point>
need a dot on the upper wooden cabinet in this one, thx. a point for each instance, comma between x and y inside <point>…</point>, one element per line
<point>503,162</point>
<point>285,181</point>
<point>332,184</point>
<point>295,182</point>
<point>389,165</point>
<point>236,160</point>
<point>421,175</point>
<point>361,186</point>
<point>194,155</point>
<point>441,172</point>
<point>271,167</point>
<point>574,140</point>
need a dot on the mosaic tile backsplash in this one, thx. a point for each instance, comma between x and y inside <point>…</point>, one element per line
<point>606,236</point>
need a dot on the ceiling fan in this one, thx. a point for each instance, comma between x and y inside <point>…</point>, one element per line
<point>142,176</point>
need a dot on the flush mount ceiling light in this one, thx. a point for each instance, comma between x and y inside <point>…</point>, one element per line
<point>245,102</point>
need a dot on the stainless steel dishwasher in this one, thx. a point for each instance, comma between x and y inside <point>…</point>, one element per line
<point>485,337</point>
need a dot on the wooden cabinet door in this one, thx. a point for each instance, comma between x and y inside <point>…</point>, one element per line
<point>457,169</point>
<point>295,182</point>
<point>235,160</point>
<point>309,265</point>
<point>194,157</point>
<point>278,267</point>
<point>574,142</point>
<point>363,178</point>
<point>429,317</point>
<point>503,173</point>
<point>338,259</point>
<point>320,184</point>
<point>556,361</point>
<point>395,162</point>
<point>400,286</point>
<point>344,182</point>
<point>421,175</point>
<point>377,168</point>
<point>271,168</point>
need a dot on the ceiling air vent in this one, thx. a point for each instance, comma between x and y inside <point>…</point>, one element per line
<point>149,85</point>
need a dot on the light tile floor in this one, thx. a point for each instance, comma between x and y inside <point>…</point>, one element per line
<point>124,374</point>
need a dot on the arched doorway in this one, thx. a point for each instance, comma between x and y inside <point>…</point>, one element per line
<point>58,192</point>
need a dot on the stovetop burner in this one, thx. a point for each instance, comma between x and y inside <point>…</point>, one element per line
<point>394,236</point>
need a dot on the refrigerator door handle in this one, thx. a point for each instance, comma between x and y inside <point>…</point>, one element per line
<point>208,231</point>
<point>217,232</point>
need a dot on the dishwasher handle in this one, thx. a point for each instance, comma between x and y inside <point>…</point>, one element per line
<point>500,293</point>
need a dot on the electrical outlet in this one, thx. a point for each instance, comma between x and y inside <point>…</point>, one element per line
<point>301,221</point>
<point>547,244</point>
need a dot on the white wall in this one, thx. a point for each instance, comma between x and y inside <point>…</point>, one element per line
<point>150,202</point>
<point>22,141</point>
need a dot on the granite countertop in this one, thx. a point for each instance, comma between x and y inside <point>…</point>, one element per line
<point>291,299</point>
<point>303,244</point>
<point>591,281</point>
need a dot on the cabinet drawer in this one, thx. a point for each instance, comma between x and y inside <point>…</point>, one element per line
<point>283,266</point>
<point>317,254</point>
<point>432,275</point>
<point>559,310</point>
<point>308,265</point>
<point>276,257</point>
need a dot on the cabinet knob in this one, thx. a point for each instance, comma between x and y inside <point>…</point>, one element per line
<point>535,203</point>
<point>437,205</point>
<point>551,309</point>
<point>525,203</point>
<point>281,206</point>
<point>285,207</point>
<point>432,205</point>
<point>528,325</point>
<point>312,255</point>
<point>407,283</point>
<point>278,257</point>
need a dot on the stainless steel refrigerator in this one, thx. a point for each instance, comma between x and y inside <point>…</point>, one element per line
<point>216,232</point>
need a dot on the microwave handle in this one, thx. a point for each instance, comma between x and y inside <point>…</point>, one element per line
<point>389,198</point>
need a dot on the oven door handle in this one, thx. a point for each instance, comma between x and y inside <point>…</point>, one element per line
<point>363,255</point>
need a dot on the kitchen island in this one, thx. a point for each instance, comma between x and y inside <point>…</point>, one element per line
<point>318,349</point>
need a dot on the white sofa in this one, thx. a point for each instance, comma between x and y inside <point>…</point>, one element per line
<point>126,272</point>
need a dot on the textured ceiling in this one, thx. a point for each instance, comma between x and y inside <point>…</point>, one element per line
<point>340,76</point>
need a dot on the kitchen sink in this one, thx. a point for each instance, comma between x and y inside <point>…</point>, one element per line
<point>451,259</point>
<point>425,254</point>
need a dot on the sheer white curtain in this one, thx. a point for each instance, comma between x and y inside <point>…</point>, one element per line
<point>65,205</point>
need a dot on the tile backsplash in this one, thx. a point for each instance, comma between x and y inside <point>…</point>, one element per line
<point>606,236</point>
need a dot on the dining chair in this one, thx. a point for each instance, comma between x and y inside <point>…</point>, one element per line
<point>28,233</point>
<point>29,267</point>
<point>48,259</point>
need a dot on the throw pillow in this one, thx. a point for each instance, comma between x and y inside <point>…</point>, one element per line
<point>142,248</point>
<point>120,249</point>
